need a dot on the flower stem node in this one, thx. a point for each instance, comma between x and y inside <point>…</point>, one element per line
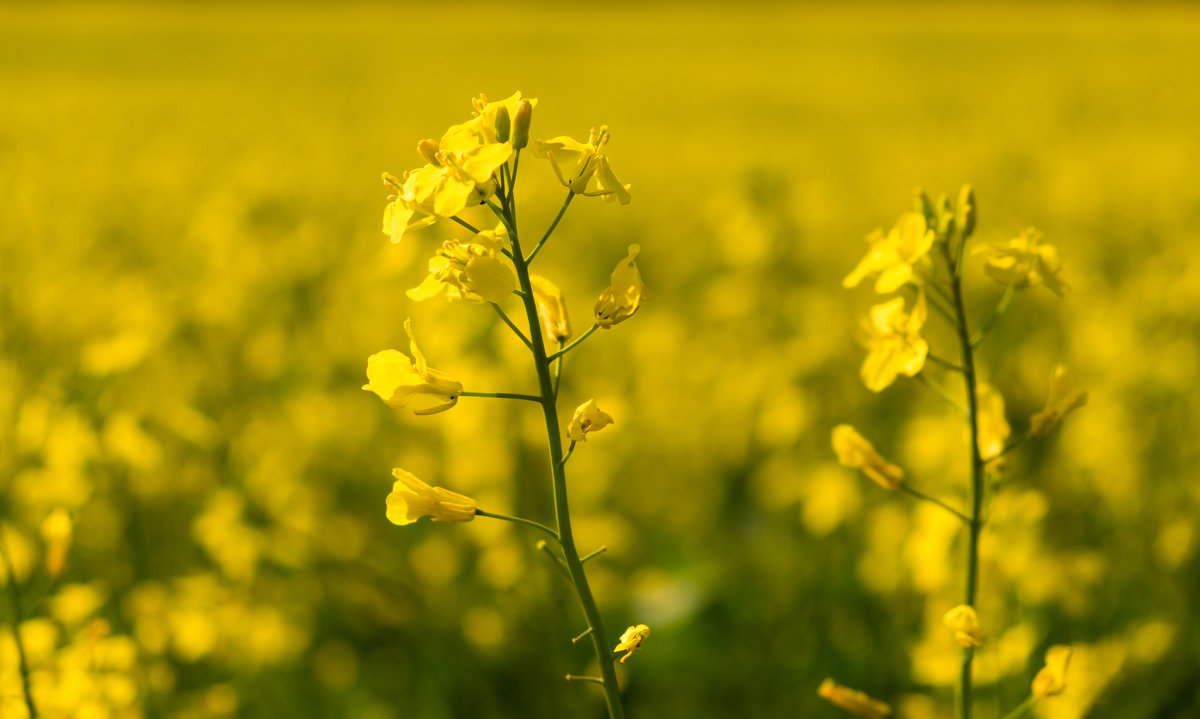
<point>631,640</point>
<point>853,701</point>
<point>621,299</point>
<point>588,418</point>
<point>853,450</point>
<point>963,621</point>
<point>412,499</point>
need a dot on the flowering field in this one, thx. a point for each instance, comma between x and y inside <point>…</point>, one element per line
<point>195,490</point>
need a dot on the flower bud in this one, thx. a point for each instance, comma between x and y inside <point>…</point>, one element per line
<point>428,149</point>
<point>503,125</point>
<point>945,223</point>
<point>520,133</point>
<point>966,211</point>
<point>923,206</point>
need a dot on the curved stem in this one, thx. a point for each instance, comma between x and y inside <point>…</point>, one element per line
<point>14,593</point>
<point>501,395</point>
<point>604,657</point>
<point>518,520</point>
<point>576,341</point>
<point>561,211</point>
<point>516,330</point>
<point>570,451</point>
<point>934,500</point>
<point>977,470</point>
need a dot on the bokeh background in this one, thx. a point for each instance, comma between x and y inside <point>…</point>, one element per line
<point>192,276</point>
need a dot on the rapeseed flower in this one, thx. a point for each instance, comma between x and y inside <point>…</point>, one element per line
<point>412,499</point>
<point>1052,679</point>
<point>1023,261</point>
<point>582,168</point>
<point>57,530</point>
<point>472,271</point>
<point>621,299</point>
<point>893,340</point>
<point>853,450</point>
<point>588,418</point>
<point>963,621</point>
<point>992,424</point>
<point>551,308</point>
<point>398,379</point>
<point>1064,398</point>
<point>631,640</point>
<point>892,256</point>
<point>853,700</point>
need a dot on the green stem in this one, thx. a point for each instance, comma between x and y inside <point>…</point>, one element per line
<point>604,657</point>
<point>561,211</point>
<point>516,330</point>
<point>1022,707</point>
<point>926,498</point>
<point>598,552</point>
<point>465,224</point>
<point>1013,444</point>
<point>576,341</point>
<point>558,562</point>
<point>14,593</point>
<point>518,520</point>
<point>502,395</point>
<point>977,470</point>
<point>997,313</point>
<point>943,362</point>
<point>558,370</point>
<point>939,391</point>
<point>570,451</point>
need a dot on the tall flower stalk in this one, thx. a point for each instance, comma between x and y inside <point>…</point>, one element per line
<point>477,163</point>
<point>926,252</point>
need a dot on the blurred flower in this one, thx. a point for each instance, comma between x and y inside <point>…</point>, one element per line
<point>853,701</point>
<point>1064,398</point>
<point>855,451</point>
<point>412,499</point>
<point>624,294</point>
<point>993,427</point>
<point>1052,679</point>
<point>588,171</point>
<point>552,309</point>
<point>397,379</point>
<point>631,640</point>
<point>468,271</point>
<point>57,529</point>
<point>893,256</point>
<point>894,342</point>
<point>1023,262</point>
<point>963,621</point>
<point>588,418</point>
<point>403,215</point>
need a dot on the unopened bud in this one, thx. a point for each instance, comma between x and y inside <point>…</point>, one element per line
<point>503,125</point>
<point>520,133</point>
<point>429,149</point>
<point>966,211</point>
<point>922,205</point>
<point>945,224</point>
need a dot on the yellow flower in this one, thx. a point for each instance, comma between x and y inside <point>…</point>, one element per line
<point>624,294</point>
<point>893,256</point>
<point>403,215</point>
<point>412,499</point>
<point>588,418</point>
<point>855,451</point>
<point>486,116</point>
<point>397,379</point>
<point>894,342</point>
<point>468,271</point>
<point>993,427</point>
<point>853,701</point>
<point>1023,262</point>
<point>1052,679</point>
<point>631,640</point>
<point>582,168</point>
<point>1064,398</point>
<point>57,530</point>
<point>552,309</point>
<point>963,621</point>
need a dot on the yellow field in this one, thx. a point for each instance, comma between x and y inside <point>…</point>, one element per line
<point>192,276</point>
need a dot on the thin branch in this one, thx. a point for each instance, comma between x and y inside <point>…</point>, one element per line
<point>511,326</point>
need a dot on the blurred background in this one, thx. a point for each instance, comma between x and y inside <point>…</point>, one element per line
<point>192,275</point>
